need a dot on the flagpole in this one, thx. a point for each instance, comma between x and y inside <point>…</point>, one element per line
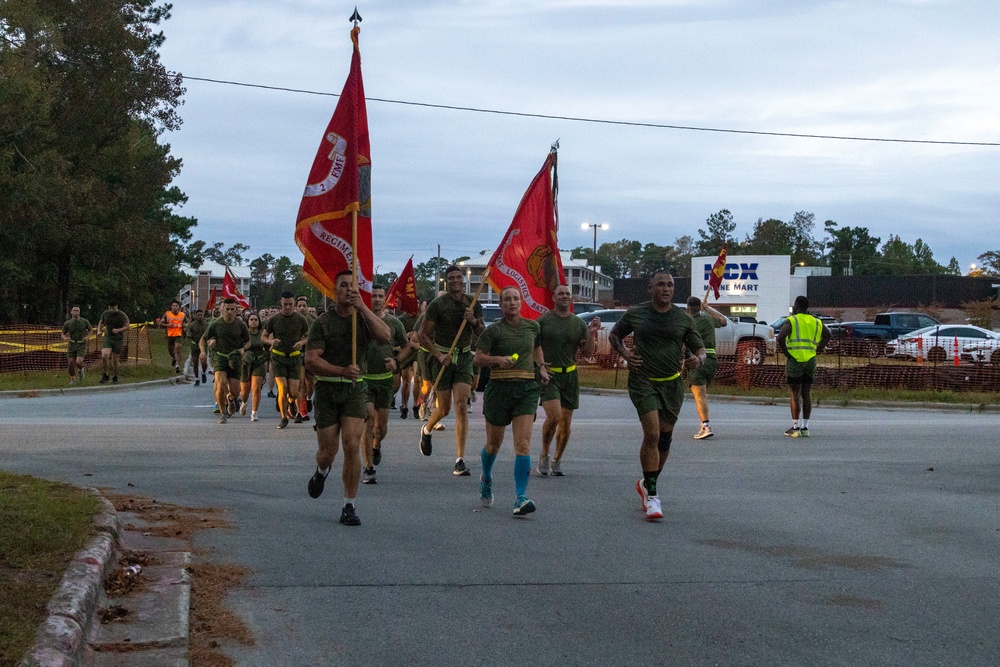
<point>461,327</point>
<point>354,285</point>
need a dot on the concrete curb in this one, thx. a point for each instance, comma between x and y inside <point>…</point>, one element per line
<point>69,391</point>
<point>852,404</point>
<point>61,639</point>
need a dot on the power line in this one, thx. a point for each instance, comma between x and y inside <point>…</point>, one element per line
<point>578,119</point>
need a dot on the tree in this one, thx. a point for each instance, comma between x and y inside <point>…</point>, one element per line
<point>619,259</point>
<point>720,232</point>
<point>954,269</point>
<point>83,101</point>
<point>852,249</point>
<point>989,263</point>
<point>899,258</point>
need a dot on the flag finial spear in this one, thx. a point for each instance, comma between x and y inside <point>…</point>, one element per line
<point>355,17</point>
<point>555,146</point>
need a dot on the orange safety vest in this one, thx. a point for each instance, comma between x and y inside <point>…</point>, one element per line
<point>175,323</point>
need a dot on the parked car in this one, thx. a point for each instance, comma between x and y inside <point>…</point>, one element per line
<point>491,312</point>
<point>869,338</point>
<point>985,351</point>
<point>938,343</point>
<point>581,307</point>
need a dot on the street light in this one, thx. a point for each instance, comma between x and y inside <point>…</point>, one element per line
<point>596,226</point>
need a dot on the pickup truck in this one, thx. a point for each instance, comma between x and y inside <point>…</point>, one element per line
<point>868,339</point>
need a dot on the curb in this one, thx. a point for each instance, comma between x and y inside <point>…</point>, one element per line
<point>69,391</point>
<point>72,610</point>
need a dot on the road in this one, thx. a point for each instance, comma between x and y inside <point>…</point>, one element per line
<point>874,542</point>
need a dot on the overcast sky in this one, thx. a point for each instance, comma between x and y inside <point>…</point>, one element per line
<point>903,69</point>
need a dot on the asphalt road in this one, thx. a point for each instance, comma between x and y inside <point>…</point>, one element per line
<point>874,542</point>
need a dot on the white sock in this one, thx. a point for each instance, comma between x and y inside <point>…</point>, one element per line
<point>348,501</point>
<point>795,423</point>
<point>424,431</point>
<point>459,459</point>
<point>323,471</point>
<point>805,423</point>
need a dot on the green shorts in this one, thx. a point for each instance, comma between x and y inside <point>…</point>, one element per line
<point>228,364</point>
<point>505,399</point>
<point>459,371</point>
<point>173,341</point>
<point>253,367</point>
<point>195,350</point>
<point>116,345</point>
<point>665,397</point>
<point>800,372</point>
<point>422,358</point>
<point>565,387</point>
<point>335,400</point>
<point>705,373</point>
<point>76,350</point>
<point>286,367</point>
<point>379,393</point>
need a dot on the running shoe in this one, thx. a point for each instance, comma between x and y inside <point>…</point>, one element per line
<point>368,476</point>
<point>104,378</point>
<point>653,509</point>
<point>284,423</point>
<point>203,379</point>
<point>82,374</point>
<point>523,506</point>
<point>197,382</point>
<point>243,407</point>
<point>425,442</point>
<point>298,418</point>
<point>640,486</point>
<point>472,396</point>
<point>316,483</point>
<point>803,433</point>
<point>468,406</point>
<point>423,413</point>
<point>485,491</point>
<point>461,469</point>
<point>270,394</point>
<point>704,432</point>
<point>404,412</point>
<point>348,517</point>
<point>439,426</point>
<point>114,379</point>
<point>393,405</point>
<point>305,417</point>
<point>216,411</point>
<point>233,407</point>
<point>543,465</point>
<point>377,455</point>
<point>72,382</point>
<point>223,419</point>
<point>309,405</point>
<point>177,369</point>
<point>792,432</point>
<point>253,416</point>
<point>556,470</point>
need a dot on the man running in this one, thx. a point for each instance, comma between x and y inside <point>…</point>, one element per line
<point>660,331</point>
<point>408,382</point>
<point>229,337</point>
<point>307,379</point>
<point>75,332</point>
<point>341,399</point>
<point>801,338</point>
<point>706,321</point>
<point>254,362</point>
<point>113,325</point>
<point>437,333</point>
<point>511,348</point>
<point>174,320</point>
<point>286,333</point>
<point>563,334</point>
<point>195,330</point>
<point>382,362</point>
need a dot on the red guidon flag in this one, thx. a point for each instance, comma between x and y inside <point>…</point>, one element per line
<point>229,290</point>
<point>718,270</point>
<point>339,185</point>
<point>528,257</point>
<point>403,292</point>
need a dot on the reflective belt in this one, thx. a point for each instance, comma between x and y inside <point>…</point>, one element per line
<point>455,353</point>
<point>321,378</point>
<point>77,341</point>
<point>290,354</point>
<point>710,350</point>
<point>379,376</point>
<point>568,369</point>
<point>666,379</point>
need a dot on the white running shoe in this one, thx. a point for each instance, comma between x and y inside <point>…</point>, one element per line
<point>543,465</point>
<point>641,489</point>
<point>705,432</point>
<point>439,426</point>
<point>653,509</point>
<point>253,416</point>
<point>243,407</point>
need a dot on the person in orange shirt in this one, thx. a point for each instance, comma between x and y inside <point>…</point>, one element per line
<point>174,320</point>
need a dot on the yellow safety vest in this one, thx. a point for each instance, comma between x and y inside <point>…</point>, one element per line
<point>804,338</point>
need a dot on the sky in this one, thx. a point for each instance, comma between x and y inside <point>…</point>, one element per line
<point>924,70</point>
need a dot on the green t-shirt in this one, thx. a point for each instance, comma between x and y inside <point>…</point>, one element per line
<point>706,326</point>
<point>503,340</point>
<point>332,334</point>
<point>447,314</point>
<point>114,320</point>
<point>76,329</point>
<point>409,321</point>
<point>196,329</point>
<point>378,351</point>
<point>257,346</point>
<point>658,339</point>
<point>289,329</point>
<point>561,338</point>
<point>229,337</point>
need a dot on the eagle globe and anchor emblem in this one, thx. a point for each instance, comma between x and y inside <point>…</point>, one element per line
<point>338,160</point>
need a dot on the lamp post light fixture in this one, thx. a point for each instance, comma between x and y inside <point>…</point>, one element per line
<point>596,226</point>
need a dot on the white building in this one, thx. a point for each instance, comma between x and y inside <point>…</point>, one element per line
<point>579,276</point>
<point>195,294</point>
<point>760,286</point>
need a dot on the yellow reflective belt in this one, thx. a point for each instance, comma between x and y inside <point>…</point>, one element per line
<point>568,369</point>
<point>709,350</point>
<point>290,354</point>
<point>380,376</point>
<point>666,379</point>
<point>321,378</point>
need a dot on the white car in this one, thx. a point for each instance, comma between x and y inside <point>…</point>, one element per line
<point>942,342</point>
<point>985,351</point>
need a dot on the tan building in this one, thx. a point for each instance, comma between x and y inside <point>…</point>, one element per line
<point>195,294</point>
<point>579,276</point>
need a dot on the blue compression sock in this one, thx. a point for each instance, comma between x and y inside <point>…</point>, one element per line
<point>522,468</point>
<point>487,461</point>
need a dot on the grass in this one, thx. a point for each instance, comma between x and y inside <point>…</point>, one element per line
<point>42,524</point>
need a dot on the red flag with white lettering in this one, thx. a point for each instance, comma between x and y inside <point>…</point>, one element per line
<point>403,292</point>
<point>528,257</point>
<point>229,289</point>
<point>338,187</point>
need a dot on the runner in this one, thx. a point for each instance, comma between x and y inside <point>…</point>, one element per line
<point>407,367</point>
<point>801,338</point>
<point>441,325</point>
<point>563,334</point>
<point>286,333</point>
<point>659,329</point>
<point>229,337</point>
<point>195,330</point>
<point>706,321</point>
<point>512,349</point>
<point>75,332</point>
<point>113,325</point>
<point>341,401</point>
<point>254,362</point>
<point>381,362</point>
<point>307,383</point>
<point>174,320</point>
